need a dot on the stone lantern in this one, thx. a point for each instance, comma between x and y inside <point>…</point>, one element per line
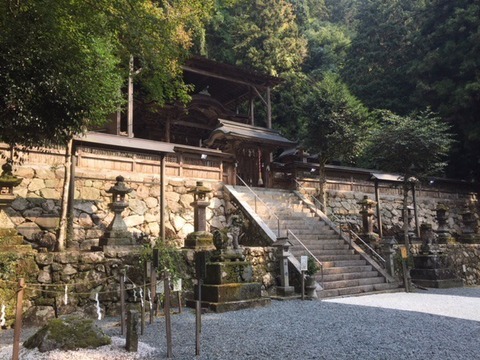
<point>469,231</point>
<point>442,230</point>
<point>200,239</point>
<point>283,252</point>
<point>7,182</point>
<point>117,232</point>
<point>367,213</point>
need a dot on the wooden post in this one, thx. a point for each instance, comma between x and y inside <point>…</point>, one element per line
<point>130,99</point>
<point>167,314</point>
<point>122,302</point>
<point>198,321</point>
<point>415,212</point>
<point>153,282</point>
<point>162,197</point>
<point>379,217</point>
<point>303,285</point>
<point>18,319</point>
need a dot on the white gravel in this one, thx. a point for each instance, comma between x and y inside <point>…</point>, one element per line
<point>433,324</point>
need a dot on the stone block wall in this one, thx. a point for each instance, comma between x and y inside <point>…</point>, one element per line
<point>344,205</point>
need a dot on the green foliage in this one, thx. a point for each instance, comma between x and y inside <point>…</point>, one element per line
<point>312,266</point>
<point>63,63</point>
<point>333,121</point>
<point>415,145</point>
<point>170,258</point>
<point>261,35</point>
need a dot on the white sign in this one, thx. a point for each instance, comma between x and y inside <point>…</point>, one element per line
<point>177,285</point>
<point>303,263</point>
<point>160,287</point>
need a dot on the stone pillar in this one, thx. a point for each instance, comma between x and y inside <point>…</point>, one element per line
<point>389,254</point>
<point>8,234</point>
<point>442,230</point>
<point>283,253</point>
<point>132,331</point>
<point>367,213</point>
<point>429,243</point>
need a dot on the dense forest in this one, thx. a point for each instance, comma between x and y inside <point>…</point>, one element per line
<point>344,62</point>
<point>352,70</point>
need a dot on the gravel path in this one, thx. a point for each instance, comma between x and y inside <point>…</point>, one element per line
<point>433,324</point>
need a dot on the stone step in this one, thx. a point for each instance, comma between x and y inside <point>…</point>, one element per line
<point>346,276</point>
<point>328,285</point>
<point>322,242</point>
<point>346,269</point>
<point>356,290</point>
<point>325,252</point>
<point>343,263</point>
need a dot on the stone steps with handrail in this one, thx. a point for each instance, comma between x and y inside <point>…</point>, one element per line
<point>344,270</point>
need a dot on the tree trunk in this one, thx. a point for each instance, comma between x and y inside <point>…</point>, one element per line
<point>322,179</point>
<point>62,233</point>
<point>405,216</point>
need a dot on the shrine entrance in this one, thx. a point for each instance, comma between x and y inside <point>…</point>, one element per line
<point>252,148</point>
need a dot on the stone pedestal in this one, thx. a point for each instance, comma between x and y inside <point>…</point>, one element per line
<point>228,286</point>
<point>199,241</point>
<point>431,270</point>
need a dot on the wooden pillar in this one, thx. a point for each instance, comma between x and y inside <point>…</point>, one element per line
<point>269,109</point>
<point>415,212</point>
<point>379,216</point>
<point>130,99</point>
<point>162,197</point>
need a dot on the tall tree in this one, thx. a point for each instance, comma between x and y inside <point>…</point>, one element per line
<point>333,122</point>
<point>63,62</point>
<point>446,70</point>
<point>413,146</point>
<point>262,35</point>
<point>379,57</point>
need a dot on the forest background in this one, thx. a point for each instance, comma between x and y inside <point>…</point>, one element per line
<point>350,67</point>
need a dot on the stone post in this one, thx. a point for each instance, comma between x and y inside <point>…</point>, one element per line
<point>132,331</point>
<point>429,243</point>
<point>442,230</point>
<point>283,253</point>
<point>389,253</point>
<point>367,213</point>
<point>8,233</point>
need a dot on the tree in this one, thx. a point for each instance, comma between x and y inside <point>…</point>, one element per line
<point>413,146</point>
<point>379,56</point>
<point>261,35</point>
<point>63,62</point>
<point>333,122</point>
<point>446,72</point>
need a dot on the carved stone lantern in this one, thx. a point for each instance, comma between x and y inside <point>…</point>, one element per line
<point>367,213</point>
<point>469,231</point>
<point>7,182</point>
<point>200,239</point>
<point>200,204</point>
<point>117,233</point>
<point>283,252</point>
<point>442,230</point>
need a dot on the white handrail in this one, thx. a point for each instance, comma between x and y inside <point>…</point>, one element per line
<point>309,252</point>
<point>257,197</point>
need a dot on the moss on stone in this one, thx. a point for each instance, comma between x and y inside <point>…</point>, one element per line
<point>68,333</point>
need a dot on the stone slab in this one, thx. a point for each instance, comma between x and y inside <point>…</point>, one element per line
<point>231,292</point>
<point>228,272</point>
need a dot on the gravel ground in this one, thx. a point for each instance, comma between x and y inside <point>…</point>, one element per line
<point>432,324</point>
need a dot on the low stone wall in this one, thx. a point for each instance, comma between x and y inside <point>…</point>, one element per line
<point>265,267</point>
<point>36,210</point>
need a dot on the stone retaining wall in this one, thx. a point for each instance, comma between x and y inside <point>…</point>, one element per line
<point>344,205</point>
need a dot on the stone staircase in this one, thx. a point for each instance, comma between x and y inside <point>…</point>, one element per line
<point>346,270</point>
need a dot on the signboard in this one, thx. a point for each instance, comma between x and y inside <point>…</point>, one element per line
<point>177,285</point>
<point>403,252</point>
<point>160,287</point>
<point>303,263</point>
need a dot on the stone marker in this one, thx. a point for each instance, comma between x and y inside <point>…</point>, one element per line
<point>132,331</point>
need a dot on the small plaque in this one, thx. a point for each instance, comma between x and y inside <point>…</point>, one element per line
<point>403,251</point>
<point>160,287</point>
<point>304,263</point>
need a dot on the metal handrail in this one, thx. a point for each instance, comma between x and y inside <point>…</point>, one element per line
<point>368,246</point>
<point>338,222</point>
<point>309,252</point>
<point>255,202</point>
